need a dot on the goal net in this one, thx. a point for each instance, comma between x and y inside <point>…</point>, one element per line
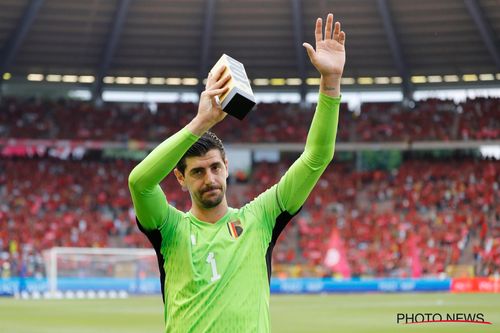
<point>127,270</point>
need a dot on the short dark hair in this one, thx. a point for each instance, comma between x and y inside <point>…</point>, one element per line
<point>205,143</point>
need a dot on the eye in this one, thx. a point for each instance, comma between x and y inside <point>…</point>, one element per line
<point>196,173</point>
<point>216,168</point>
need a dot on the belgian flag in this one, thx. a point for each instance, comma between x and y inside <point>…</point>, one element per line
<point>235,229</point>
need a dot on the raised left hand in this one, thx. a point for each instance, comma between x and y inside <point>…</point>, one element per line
<point>329,56</point>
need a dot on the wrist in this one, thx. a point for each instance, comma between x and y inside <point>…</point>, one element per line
<point>331,77</point>
<point>198,126</point>
<point>330,85</point>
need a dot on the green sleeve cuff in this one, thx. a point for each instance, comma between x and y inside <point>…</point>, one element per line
<point>187,134</point>
<point>325,99</point>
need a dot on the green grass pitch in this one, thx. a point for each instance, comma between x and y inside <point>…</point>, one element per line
<point>290,313</point>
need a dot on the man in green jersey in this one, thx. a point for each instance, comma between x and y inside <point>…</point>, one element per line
<point>215,261</point>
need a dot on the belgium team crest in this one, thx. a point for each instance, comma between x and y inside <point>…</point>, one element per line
<point>235,229</point>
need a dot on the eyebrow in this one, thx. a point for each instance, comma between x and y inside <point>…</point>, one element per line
<point>193,170</point>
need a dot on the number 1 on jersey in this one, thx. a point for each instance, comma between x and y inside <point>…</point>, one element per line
<point>211,261</point>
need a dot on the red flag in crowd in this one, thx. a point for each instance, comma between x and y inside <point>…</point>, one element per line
<point>416,265</point>
<point>335,257</point>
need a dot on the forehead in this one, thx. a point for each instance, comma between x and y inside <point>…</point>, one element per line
<point>211,157</point>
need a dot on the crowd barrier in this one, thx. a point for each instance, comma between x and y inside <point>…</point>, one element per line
<point>314,285</point>
<point>13,286</point>
<point>475,285</point>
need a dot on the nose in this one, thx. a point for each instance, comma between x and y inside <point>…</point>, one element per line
<point>209,178</point>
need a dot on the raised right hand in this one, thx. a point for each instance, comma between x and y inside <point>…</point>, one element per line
<point>209,111</point>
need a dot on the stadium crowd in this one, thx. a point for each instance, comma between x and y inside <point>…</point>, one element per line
<point>428,120</point>
<point>447,210</point>
<point>423,216</point>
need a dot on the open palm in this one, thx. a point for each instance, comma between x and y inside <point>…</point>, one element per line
<point>329,56</point>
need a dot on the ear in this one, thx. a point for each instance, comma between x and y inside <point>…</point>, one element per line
<point>226,163</point>
<point>180,178</point>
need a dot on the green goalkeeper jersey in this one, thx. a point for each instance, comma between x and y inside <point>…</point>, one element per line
<point>215,276</point>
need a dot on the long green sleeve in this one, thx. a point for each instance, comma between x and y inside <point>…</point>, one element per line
<point>298,182</point>
<point>149,200</point>
<point>216,275</point>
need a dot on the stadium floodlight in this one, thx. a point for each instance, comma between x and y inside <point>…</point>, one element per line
<point>434,78</point>
<point>70,78</point>
<point>108,80</point>
<point>101,269</point>
<point>6,76</point>
<point>313,81</point>
<point>396,80</point>
<point>157,80</point>
<point>347,80</point>
<point>469,77</point>
<point>365,80</point>
<point>190,81</point>
<point>35,77</point>
<point>382,80</point>
<point>173,81</point>
<point>123,80</point>
<point>418,79</point>
<point>278,82</point>
<point>486,77</point>
<point>139,80</point>
<point>53,78</point>
<point>261,82</point>
<point>86,79</point>
<point>293,81</point>
<point>451,78</point>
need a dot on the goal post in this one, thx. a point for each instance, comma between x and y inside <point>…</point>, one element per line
<point>131,270</point>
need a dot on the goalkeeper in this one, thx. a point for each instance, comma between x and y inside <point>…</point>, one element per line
<point>215,261</point>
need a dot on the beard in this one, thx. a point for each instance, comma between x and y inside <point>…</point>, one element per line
<point>211,200</point>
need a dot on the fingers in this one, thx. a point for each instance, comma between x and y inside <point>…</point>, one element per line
<point>221,82</point>
<point>209,79</point>
<point>215,92</point>
<point>214,76</point>
<point>309,49</point>
<point>317,32</point>
<point>336,31</point>
<point>332,31</point>
<point>342,38</point>
<point>328,26</point>
<point>338,34</point>
<point>218,72</point>
<point>218,87</point>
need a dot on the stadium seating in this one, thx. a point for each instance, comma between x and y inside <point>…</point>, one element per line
<point>446,209</point>
<point>429,120</point>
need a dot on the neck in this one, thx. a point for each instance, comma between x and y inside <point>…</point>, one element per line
<point>210,215</point>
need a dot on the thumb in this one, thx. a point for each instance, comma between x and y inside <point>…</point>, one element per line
<point>309,49</point>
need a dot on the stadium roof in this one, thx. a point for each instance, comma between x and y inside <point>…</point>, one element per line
<point>395,42</point>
